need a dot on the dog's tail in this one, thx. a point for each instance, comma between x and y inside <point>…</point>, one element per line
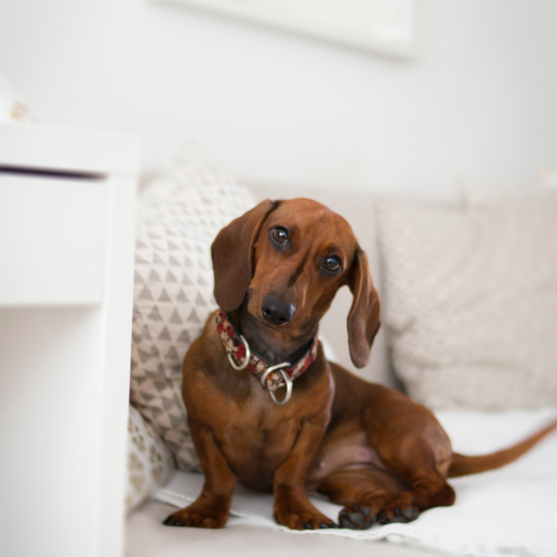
<point>462,465</point>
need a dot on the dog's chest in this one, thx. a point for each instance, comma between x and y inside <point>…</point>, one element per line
<point>257,437</point>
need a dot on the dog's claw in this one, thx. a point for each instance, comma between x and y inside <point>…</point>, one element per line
<point>173,522</point>
<point>308,518</point>
<point>355,518</point>
<point>192,518</point>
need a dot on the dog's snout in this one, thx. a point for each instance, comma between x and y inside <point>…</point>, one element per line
<point>277,311</point>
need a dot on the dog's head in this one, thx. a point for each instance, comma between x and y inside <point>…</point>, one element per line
<point>286,260</point>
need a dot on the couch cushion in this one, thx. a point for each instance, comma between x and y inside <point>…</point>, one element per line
<point>470,298</point>
<point>146,537</point>
<point>484,520</point>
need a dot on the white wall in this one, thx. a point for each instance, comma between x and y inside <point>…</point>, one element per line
<point>480,105</point>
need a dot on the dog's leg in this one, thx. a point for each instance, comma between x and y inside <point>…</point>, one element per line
<point>211,508</point>
<point>417,452</point>
<point>292,507</point>
<point>428,489</point>
<point>363,492</point>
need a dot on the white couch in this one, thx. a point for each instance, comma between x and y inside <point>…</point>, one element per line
<point>146,535</point>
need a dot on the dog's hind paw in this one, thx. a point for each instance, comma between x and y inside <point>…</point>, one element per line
<point>356,517</point>
<point>388,516</point>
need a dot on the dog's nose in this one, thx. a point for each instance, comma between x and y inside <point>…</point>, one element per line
<point>276,311</point>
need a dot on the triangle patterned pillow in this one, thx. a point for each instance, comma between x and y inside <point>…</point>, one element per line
<point>150,464</point>
<point>178,218</point>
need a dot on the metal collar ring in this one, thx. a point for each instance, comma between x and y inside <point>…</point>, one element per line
<point>245,363</point>
<point>287,382</point>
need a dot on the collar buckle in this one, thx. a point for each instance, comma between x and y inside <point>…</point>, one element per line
<point>287,382</point>
<point>255,364</point>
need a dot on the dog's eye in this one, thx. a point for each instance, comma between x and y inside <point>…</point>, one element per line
<point>332,264</point>
<point>280,235</point>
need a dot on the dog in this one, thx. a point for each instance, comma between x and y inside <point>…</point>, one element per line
<point>266,408</point>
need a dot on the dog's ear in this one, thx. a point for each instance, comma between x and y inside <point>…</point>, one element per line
<point>232,254</point>
<point>365,313</point>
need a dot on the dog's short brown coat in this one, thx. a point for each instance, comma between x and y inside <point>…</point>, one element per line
<point>371,449</point>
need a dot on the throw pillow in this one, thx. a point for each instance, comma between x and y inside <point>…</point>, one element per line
<point>470,298</point>
<point>179,216</point>
<point>150,464</point>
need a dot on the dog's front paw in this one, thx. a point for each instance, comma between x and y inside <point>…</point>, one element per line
<point>308,518</point>
<point>197,518</point>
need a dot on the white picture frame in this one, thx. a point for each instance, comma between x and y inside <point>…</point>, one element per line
<point>390,27</point>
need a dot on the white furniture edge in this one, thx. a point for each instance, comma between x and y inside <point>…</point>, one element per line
<point>114,159</point>
<point>118,317</point>
<point>54,149</point>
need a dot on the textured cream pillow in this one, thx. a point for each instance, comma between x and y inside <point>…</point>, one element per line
<point>179,216</point>
<point>150,464</point>
<point>470,298</point>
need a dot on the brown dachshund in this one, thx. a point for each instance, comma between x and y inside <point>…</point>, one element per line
<point>266,408</point>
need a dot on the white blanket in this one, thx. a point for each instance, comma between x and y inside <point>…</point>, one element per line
<point>506,512</point>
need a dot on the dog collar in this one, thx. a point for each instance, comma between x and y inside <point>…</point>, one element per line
<point>272,377</point>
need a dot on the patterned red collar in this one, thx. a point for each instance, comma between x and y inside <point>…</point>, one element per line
<point>235,347</point>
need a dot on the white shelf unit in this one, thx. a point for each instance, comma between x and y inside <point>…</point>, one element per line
<point>67,201</point>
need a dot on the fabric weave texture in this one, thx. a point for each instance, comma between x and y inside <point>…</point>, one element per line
<point>179,216</point>
<point>470,298</point>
